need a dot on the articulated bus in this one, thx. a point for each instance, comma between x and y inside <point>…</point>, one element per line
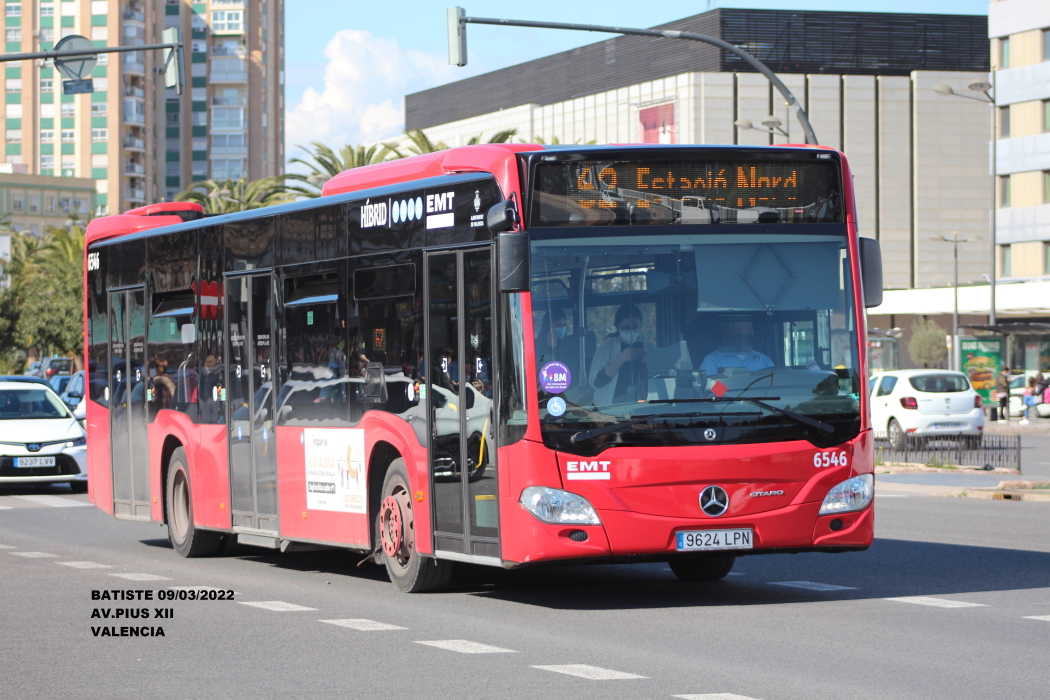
<point>503,354</point>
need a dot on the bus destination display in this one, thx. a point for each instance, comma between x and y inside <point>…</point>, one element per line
<point>596,193</point>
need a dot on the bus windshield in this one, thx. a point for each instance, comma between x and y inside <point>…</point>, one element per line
<point>694,335</point>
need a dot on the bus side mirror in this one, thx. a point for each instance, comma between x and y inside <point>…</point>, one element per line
<point>871,271</point>
<point>512,253</point>
<point>501,217</point>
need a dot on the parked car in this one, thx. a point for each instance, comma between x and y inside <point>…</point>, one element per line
<point>72,393</point>
<point>40,440</point>
<point>51,366</point>
<point>924,403</point>
<point>34,370</point>
<point>59,382</point>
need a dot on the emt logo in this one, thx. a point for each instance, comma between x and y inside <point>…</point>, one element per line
<point>579,471</point>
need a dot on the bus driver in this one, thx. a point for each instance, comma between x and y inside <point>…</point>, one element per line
<point>736,350</point>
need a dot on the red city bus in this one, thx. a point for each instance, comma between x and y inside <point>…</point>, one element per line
<point>500,354</point>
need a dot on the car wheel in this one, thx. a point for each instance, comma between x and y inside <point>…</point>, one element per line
<point>898,438</point>
<point>78,486</point>
<point>185,538</point>
<point>702,567</point>
<point>395,537</point>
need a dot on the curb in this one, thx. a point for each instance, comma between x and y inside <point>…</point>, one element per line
<point>955,492</point>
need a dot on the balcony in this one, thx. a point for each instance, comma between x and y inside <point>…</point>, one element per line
<point>135,118</point>
<point>228,76</point>
<point>229,101</point>
<point>134,143</point>
<point>133,193</point>
<point>133,169</point>
<point>136,15</point>
<point>132,91</point>
<point>235,51</point>
<point>228,151</point>
<point>134,67</point>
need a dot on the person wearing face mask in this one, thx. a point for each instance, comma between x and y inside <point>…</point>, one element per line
<point>736,350</point>
<point>553,330</point>
<point>618,371</point>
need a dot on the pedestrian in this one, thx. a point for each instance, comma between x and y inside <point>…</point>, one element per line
<point>1032,396</point>
<point>1002,393</point>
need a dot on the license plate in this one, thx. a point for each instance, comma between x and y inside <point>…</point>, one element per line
<point>34,461</point>
<point>943,426</point>
<point>699,540</point>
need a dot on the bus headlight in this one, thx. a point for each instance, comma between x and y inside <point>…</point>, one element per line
<point>852,494</point>
<point>556,506</point>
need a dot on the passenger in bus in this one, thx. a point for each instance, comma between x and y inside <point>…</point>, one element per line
<point>736,350</point>
<point>553,331</point>
<point>618,371</point>
<point>163,386</point>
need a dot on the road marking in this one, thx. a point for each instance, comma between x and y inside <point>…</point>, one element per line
<point>6,508</point>
<point>33,555</point>
<point>887,495</point>
<point>142,577</point>
<point>813,586</point>
<point>53,501</point>
<point>83,565</point>
<point>277,606</point>
<point>715,696</point>
<point>1044,618</point>
<point>6,546</point>
<point>364,625</point>
<point>591,673</point>
<point>936,602</point>
<point>464,646</point>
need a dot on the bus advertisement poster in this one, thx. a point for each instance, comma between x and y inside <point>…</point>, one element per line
<point>335,470</point>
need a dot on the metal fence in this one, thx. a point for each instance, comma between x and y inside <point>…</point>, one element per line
<point>992,451</point>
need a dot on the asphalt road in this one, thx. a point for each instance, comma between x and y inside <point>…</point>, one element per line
<point>981,567</point>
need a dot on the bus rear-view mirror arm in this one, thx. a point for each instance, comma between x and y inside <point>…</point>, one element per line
<point>871,271</point>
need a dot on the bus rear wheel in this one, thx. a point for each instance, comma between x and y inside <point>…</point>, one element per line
<point>409,570</point>
<point>186,539</point>
<point>702,567</point>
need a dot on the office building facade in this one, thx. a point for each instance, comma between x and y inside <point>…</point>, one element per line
<point>139,142</point>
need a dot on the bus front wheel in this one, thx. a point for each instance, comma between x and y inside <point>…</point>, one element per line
<point>186,539</point>
<point>702,567</point>
<point>409,570</point>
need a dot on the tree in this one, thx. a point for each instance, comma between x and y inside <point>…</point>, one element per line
<point>499,137</point>
<point>927,345</point>
<point>229,196</point>
<point>418,144</point>
<point>557,141</point>
<point>325,163</point>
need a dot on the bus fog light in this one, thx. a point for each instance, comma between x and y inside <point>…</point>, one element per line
<point>852,494</point>
<point>557,506</point>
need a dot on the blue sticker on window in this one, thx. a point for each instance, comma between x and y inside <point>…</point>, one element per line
<point>555,377</point>
<point>556,406</point>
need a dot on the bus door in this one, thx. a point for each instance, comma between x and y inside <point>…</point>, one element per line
<point>459,386</point>
<point>249,406</point>
<point>129,446</point>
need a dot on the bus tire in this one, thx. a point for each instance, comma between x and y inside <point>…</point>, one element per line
<point>185,539</point>
<point>395,534</point>
<point>702,567</point>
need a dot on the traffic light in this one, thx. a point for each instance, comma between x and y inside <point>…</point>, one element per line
<point>457,37</point>
<point>174,70</point>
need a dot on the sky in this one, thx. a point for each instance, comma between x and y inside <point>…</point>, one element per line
<point>348,65</point>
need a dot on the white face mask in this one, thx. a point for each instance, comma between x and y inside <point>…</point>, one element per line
<point>629,336</point>
<point>560,332</point>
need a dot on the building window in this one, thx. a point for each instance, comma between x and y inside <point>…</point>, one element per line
<point>1046,258</point>
<point>99,109</point>
<point>50,199</point>
<point>69,135</point>
<point>14,11</point>
<point>1004,52</point>
<point>48,163</point>
<point>47,10</point>
<point>13,34</point>
<point>1046,44</point>
<point>1046,186</point>
<point>1006,261</point>
<point>68,109</point>
<point>173,169</point>
<point>1004,122</point>
<point>172,119</point>
<point>227,169</point>
<point>47,136</point>
<point>199,169</point>
<point>100,135</point>
<point>1004,191</point>
<point>227,118</point>
<point>14,136</point>
<point>14,84</point>
<point>47,34</point>
<point>199,118</point>
<point>18,202</point>
<point>47,85</point>
<point>227,21</point>
<point>34,203</point>
<point>200,144</point>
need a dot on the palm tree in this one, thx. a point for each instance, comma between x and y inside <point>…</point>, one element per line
<point>556,141</point>
<point>499,137</point>
<point>325,163</point>
<point>229,196</point>
<point>63,246</point>
<point>418,144</point>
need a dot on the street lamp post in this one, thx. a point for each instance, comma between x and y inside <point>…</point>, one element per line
<point>955,241</point>
<point>457,49</point>
<point>772,123</point>
<point>988,90</point>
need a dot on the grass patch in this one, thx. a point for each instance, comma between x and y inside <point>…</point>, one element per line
<point>937,464</point>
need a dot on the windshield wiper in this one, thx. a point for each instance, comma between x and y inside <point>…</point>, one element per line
<point>605,430</point>
<point>761,401</point>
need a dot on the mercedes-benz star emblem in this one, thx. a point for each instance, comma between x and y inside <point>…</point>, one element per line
<point>714,501</point>
<point>710,434</point>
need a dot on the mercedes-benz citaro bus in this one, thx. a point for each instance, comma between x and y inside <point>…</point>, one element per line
<point>502,354</point>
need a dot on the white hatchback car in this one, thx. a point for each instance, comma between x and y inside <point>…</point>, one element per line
<point>926,403</point>
<point>40,440</point>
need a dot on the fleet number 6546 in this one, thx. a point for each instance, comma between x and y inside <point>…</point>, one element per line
<point>831,458</point>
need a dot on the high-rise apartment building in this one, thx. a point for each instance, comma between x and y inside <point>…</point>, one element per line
<point>140,142</point>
